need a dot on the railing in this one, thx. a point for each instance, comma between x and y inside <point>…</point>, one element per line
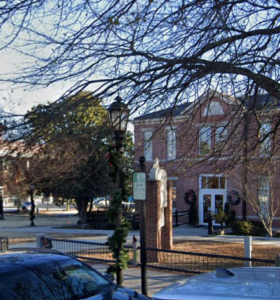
<point>83,249</point>
<point>179,261</point>
<point>180,218</point>
<point>196,263</point>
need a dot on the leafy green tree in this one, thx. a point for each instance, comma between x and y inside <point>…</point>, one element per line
<point>71,158</point>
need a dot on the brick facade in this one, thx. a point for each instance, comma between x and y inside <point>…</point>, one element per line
<point>188,169</point>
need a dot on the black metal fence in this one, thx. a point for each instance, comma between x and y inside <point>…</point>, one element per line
<point>196,263</point>
<point>178,261</point>
<point>85,250</point>
<point>180,218</point>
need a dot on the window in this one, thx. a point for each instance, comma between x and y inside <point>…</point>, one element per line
<point>212,135</point>
<point>214,108</point>
<point>265,139</point>
<point>221,135</point>
<point>205,140</point>
<point>174,195</point>
<point>263,197</point>
<point>212,182</point>
<point>148,146</point>
<point>171,144</point>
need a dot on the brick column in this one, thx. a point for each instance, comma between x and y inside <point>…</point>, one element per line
<point>167,229</point>
<point>156,236</point>
<point>152,219</point>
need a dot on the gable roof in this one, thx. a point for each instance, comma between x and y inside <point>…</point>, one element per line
<point>261,102</point>
<point>171,111</point>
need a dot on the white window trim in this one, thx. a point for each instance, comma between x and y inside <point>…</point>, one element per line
<point>214,108</point>
<point>266,144</point>
<point>171,143</point>
<point>202,131</point>
<point>148,145</point>
<point>263,196</point>
<point>212,175</point>
<point>221,136</point>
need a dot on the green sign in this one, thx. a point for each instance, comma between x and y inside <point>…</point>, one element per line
<point>139,186</point>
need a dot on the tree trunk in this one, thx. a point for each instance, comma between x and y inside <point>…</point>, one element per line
<point>90,205</point>
<point>82,210</point>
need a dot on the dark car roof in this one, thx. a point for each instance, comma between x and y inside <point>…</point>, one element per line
<point>13,261</point>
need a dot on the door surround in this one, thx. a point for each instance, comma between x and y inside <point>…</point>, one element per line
<point>212,192</point>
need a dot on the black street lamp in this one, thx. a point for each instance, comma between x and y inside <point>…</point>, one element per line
<point>1,208</point>
<point>118,114</point>
<point>32,211</point>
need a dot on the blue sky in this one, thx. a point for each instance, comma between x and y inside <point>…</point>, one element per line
<point>16,99</point>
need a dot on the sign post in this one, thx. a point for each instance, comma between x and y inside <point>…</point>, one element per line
<point>139,186</point>
<point>140,193</point>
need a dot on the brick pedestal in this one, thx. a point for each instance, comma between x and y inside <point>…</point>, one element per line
<point>167,229</point>
<point>156,236</point>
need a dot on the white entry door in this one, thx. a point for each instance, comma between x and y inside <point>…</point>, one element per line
<point>211,197</point>
<point>210,204</point>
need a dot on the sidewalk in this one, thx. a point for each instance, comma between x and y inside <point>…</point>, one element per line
<point>53,221</point>
<point>156,280</point>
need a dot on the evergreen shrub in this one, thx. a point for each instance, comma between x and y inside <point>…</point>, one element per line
<point>248,228</point>
<point>243,227</point>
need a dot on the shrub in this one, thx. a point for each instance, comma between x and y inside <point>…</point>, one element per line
<point>259,229</point>
<point>243,228</point>
<point>253,228</point>
<point>276,234</point>
<point>193,215</point>
<point>221,217</point>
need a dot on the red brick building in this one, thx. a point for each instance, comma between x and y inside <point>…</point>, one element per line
<point>216,149</point>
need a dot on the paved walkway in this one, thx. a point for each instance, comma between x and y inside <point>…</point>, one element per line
<point>156,280</point>
<point>52,221</point>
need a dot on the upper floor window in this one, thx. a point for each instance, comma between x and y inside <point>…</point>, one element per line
<point>221,135</point>
<point>205,143</point>
<point>171,143</point>
<point>263,196</point>
<point>214,108</point>
<point>148,145</point>
<point>212,135</point>
<point>265,139</point>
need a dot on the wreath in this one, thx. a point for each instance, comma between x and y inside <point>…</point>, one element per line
<point>233,197</point>
<point>190,197</point>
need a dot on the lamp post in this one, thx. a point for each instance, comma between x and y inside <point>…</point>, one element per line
<point>32,214</point>
<point>118,115</point>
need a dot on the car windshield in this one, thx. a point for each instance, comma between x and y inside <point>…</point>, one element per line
<point>56,280</point>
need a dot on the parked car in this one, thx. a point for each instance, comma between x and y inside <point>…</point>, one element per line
<point>27,205</point>
<point>103,203</point>
<point>256,283</point>
<point>36,274</point>
<point>128,206</point>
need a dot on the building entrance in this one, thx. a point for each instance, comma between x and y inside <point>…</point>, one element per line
<point>212,196</point>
